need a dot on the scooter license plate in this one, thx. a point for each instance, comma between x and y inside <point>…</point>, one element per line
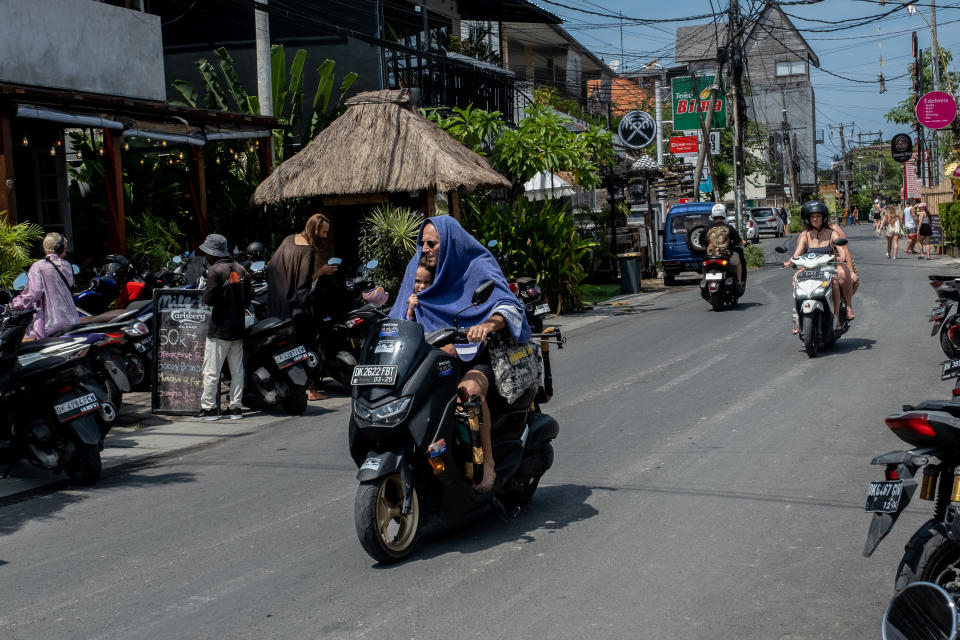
<point>811,275</point>
<point>379,374</point>
<point>541,310</point>
<point>938,312</point>
<point>143,346</point>
<point>714,276</point>
<point>67,411</point>
<point>951,369</point>
<point>291,357</point>
<point>884,496</point>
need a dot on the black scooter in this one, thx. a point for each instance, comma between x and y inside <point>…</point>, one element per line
<point>273,363</point>
<point>53,409</point>
<point>416,444</point>
<point>719,285</point>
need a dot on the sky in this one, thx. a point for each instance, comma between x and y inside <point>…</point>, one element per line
<point>853,52</point>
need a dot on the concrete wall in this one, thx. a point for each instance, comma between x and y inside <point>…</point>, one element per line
<point>81,45</point>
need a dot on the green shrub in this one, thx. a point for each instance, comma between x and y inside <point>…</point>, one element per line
<point>152,240</point>
<point>389,236</point>
<point>754,255</point>
<point>537,239</point>
<point>950,221</point>
<point>796,222</point>
<point>15,244</point>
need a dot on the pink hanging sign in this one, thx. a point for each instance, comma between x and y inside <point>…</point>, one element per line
<point>936,110</point>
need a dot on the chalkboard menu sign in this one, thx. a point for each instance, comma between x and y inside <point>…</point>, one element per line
<point>936,236</point>
<point>179,338</point>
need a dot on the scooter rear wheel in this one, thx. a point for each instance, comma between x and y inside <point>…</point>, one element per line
<point>716,300</point>
<point>85,466</point>
<point>385,533</point>
<point>929,557</point>
<point>296,403</point>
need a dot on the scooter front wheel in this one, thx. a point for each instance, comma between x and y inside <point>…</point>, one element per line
<point>385,533</point>
<point>809,330</point>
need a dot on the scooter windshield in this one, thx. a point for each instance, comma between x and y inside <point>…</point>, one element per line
<point>395,342</point>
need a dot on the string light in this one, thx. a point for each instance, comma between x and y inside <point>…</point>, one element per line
<point>100,150</point>
<point>251,149</point>
<point>25,142</point>
<point>218,160</point>
<point>126,146</point>
<point>59,143</point>
<point>181,155</point>
<point>163,143</point>
<point>141,160</point>
<point>79,154</point>
<point>53,151</point>
<point>256,142</point>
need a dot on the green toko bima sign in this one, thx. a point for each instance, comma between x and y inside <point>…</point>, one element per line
<point>690,101</point>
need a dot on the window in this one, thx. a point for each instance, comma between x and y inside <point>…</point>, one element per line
<point>791,68</point>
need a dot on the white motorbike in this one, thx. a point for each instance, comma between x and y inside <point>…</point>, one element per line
<point>813,300</point>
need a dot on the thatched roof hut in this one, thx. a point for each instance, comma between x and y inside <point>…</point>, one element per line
<point>380,145</point>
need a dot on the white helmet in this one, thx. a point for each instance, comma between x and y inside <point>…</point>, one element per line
<point>719,211</point>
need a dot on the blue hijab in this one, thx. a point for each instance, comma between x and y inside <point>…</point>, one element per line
<point>463,264</point>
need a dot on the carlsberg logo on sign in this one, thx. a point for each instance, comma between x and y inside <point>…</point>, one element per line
<point>690,101</point>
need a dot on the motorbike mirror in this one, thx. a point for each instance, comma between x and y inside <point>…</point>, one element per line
<point>20,283</point>
<point>373,264</point>
<point>258,265</point>
<point>492,244</point>
<point>177,259</point>
<point>76,269</point>
<point>780,249</point>
<point>482,294</point>
<point>334,261</point>
<point>840,242</point>
<point>922,610</point>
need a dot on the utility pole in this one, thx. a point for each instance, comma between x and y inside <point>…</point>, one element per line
<point>846,167</point>
<point>736,61</point>
<point>705,130</point>
<point>935,66</point>
<point>791,173</point>
<point>264,75</point>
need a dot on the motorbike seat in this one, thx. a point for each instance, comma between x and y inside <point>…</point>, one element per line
<point>948,406</point>
<point>500,409</point>
<point>269,324</point>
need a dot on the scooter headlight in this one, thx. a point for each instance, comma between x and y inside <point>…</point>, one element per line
<point>386,415</point>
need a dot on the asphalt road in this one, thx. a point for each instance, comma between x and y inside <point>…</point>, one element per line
<point>709,483</point>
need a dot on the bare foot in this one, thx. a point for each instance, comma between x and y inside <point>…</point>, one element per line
<point>489,476</point>
<point>313,394</point>
<point>850,315</point>
<point>796,330</point>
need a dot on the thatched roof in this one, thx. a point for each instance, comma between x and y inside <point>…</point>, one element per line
<point>381,144</point>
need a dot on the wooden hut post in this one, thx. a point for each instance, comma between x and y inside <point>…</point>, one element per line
<point>8,197</point>
<point>198,193</point>
<point>453,197</point>
<point>428,202</point>
<point>265,155</point>
<point>113,173</point>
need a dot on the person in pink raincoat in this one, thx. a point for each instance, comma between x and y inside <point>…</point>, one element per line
<point>48,290</point>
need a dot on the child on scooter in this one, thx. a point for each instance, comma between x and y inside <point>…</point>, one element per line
<point>423,280</point>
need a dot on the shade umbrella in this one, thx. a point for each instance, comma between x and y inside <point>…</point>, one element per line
<point>546,185</point>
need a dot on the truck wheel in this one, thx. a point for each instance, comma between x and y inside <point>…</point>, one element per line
<point>385,534</point>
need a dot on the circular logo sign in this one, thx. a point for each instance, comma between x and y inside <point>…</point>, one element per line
<point>637,129</point>
<point>936,110</point>
<point>901,147</point>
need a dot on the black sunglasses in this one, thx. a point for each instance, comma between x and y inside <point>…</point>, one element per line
<point>430,243</point>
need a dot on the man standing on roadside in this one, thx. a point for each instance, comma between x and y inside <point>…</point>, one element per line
<point>228,291</point>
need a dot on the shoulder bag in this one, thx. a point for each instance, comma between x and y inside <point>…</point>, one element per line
<point>516,367</point>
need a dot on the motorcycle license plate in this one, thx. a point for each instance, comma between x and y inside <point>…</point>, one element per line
<point>714,276</point>
<point>541,310</point>
<point>938,312</point>
<point>377,374</point>
<point>884,496</point>
<point>291,357</point>
<point>143,345</point>
<point>67,411</point>
<point>811,275</point>
<point>951,369</point>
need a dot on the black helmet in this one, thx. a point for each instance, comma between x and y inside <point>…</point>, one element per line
<point>814,206</point>
<point>256,251</point>
<point>114,263</point>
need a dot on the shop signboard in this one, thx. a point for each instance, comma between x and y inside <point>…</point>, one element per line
<point>901,147</point>
<point>936,110</point>
<point>637,129</point>
<point>683,144</point>
<point>179,337</point>
<point>689,101</point>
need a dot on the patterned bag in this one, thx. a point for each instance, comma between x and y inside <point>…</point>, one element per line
<point>516,367</point>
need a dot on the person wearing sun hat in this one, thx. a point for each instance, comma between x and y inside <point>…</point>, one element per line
<point>228,291</point>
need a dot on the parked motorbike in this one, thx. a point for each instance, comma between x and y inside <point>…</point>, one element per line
<point>273,363</point>
<point>54,414</point>
<point>527,291</point>
<point>720,285</point>
<point>813,299</point>
<point>415,443</point>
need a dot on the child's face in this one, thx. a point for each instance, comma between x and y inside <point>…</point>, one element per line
<point>423,280</point>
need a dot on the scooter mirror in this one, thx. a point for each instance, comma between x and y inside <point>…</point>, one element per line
<point>373,264</point>
<point>840,242</point>
<point>258,265</point>
<point>76,269</point>
<point>922,610</point>
<point>780,249</point>
<point>334,261</point>
<point>21,282</point>
<point>177,259</point>
<point>492,244</point>
<point>482,294</point>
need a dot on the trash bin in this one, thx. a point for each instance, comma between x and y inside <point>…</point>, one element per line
<point>629,272</point>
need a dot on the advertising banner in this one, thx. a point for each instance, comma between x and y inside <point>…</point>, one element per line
<point>690,101</point>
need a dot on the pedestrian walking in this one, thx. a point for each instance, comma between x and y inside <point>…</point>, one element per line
<point>48,290</point>
<point>876,216</point>
<point>893,223</point>
<point>228,291</point>
<point>924,231</point>
<point>292,277</point>
<point>855,216</point>
<point>910,226</point>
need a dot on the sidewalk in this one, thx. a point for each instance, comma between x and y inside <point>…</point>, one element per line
<point>140,435</point>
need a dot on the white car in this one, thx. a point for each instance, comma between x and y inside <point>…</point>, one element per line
<point>750,232</point>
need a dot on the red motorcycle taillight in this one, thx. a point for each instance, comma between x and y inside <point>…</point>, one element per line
<point>533,292</point>
<point>514,289</point>
<point>916,422</point>
<point>353,322</point>
<point>720,263</point>
<point>892,473</point>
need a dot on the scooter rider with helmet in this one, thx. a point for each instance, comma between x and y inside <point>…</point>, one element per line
<point>722,239</point>
<point>818,237</point>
